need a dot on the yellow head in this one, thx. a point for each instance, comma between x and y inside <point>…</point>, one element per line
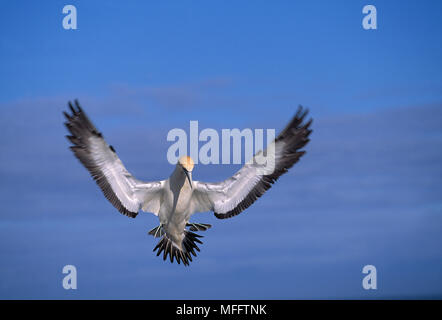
<point>187,163</point>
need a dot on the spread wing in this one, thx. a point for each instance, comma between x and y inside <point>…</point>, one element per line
<point>125,192</point>
<point>230,197</point>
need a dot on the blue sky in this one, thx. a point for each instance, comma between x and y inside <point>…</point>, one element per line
<point>367,191</point>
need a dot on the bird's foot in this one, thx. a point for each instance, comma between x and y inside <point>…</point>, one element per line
<point>198,226</point>
<point>157,232</point>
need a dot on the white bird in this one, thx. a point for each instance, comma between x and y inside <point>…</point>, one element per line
<point>176,199</point>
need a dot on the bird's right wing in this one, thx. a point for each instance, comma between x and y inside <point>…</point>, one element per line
<point>233,195</point>
<point>125,192</point>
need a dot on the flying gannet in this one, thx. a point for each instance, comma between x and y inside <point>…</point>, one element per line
<point>176,199</point>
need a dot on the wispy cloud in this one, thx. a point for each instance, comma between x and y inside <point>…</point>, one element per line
<point>367,191</point>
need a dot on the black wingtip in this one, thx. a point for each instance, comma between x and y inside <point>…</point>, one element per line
<point>75,109</point>
<point>67,116</point>
<point>77,104</point>
<point>72,108</point>
<point>294,136</point>
<point>80,129</point>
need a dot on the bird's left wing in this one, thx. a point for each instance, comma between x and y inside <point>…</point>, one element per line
<point>125,192</point>
<point>233,195</point>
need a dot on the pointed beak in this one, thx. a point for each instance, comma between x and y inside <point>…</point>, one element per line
<point>189,177</point>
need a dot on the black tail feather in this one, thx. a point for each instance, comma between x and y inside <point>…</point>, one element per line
<point>189,246</point>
